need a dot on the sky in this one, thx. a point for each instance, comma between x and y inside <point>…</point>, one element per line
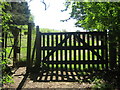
<point>51,17</point>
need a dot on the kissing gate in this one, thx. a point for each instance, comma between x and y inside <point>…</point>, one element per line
<point>71,50</point>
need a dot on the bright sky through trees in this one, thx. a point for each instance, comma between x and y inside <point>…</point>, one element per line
<point>51,17</point>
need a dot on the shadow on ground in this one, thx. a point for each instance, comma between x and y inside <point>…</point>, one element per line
<point>63,76</point>
<point>86,76</point>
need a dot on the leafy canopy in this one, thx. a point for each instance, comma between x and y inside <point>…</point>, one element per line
<point>96,15</point>
<point>19,11</point>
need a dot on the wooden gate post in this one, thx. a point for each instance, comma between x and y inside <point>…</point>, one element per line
<point>38,45</point>
<point>15,58</point>
<point>112,50</point>
<point>29,47</point>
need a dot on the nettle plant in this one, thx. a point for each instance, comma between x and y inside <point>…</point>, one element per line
<point>6,16</point>
<point>6,75</point>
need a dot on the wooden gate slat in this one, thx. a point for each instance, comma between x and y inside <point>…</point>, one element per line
<point>74,41</point>
<point>48,46</point>
<point>52,44</point>
<point>43,46</point>
<point>88,51</point>
<point>79,53</point>
<point>61,57</point>
<point>85,44</point>
<point>57,58</point>
<point>66,52</point>
<point>83,36</point>
<point>102,50</point>
<point>93,65</point>
<point>56,48</point>
<point>70,52</point>
<point>97,43</point>
<point>56,51</point>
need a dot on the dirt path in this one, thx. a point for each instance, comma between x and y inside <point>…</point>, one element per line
<point>19,78</point>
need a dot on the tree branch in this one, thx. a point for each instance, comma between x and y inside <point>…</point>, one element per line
<point>44,4</point>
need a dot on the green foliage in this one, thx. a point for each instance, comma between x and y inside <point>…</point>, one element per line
<point>7,79</point>
<point>96,15</point>
<point>100,84</point>
<point>13,14</point>
<point>5,16</point>
<point>19,11</point>
<point>5,70</point>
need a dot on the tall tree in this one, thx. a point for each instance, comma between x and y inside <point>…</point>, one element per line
<point>96,15</point>
<point>19,11</point>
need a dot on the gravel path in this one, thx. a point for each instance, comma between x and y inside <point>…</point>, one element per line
<point>19,75</point>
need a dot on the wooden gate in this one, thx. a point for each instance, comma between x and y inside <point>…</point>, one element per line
<point>72,50</point>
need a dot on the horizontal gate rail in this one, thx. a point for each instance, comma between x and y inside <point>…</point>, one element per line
<point>76,62</point>
<point>73,48</point>
<point>71,33</point>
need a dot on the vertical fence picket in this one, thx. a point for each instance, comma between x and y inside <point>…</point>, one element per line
<point>79,53</point>
<point>66,53</point>
<point>88,51</point>
<point>74,41</point>
<point>105,49</point>
<point>102,50</point>
<point>48,49</point>
<point>97,44</point>
<point>43,47</point>
<point>83,36</point>
<point>40,51</point>
<point>92,52</point>
<point>56,52</point>
<point>70,52</point>
<point>61,58</point>
<point>52,45</point>
<point>57,58</point>
<point>52,57</point>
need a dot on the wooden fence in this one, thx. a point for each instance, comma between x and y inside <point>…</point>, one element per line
<point>72,50</point>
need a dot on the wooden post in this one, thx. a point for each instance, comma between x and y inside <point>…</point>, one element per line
<point>112,50</point>
<point>38,52</point>
<point>15,58</point>
<point>29,47</point>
